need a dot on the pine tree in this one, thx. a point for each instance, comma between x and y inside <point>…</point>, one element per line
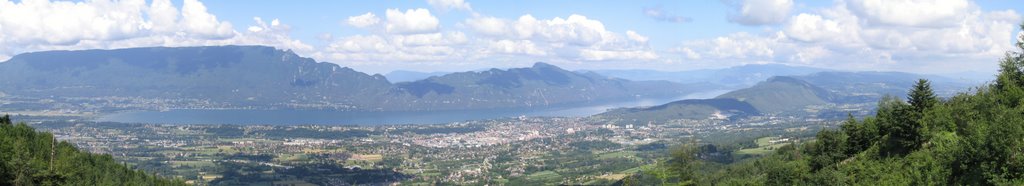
<point>921,96</point>
<point>6,120</point>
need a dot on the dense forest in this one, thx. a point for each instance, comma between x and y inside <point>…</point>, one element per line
<point>973,138</point>
<point>28,157</point>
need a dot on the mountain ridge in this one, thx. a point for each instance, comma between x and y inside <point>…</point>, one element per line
<point>266,77</point>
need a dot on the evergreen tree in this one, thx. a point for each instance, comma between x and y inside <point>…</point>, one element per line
<point>828,150</point>
<point>921,96</point>
<point>6,120</point>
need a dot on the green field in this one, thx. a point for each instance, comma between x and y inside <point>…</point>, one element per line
<point>617,154</point>
<point>764,147</point>
<point>545,176</point>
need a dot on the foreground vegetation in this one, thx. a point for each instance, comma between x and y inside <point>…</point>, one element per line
<point>972,138</point>
<point>28,157</point>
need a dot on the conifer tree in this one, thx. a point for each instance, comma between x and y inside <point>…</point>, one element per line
<point>921,96</point>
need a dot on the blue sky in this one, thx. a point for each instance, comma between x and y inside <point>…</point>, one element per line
<point>935,37</point>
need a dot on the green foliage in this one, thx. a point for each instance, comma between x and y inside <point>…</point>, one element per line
<point>899,126</point>
<point>921,96</point>
<point>969,139</point>
<point>27,158</point>
<point>828,150</point>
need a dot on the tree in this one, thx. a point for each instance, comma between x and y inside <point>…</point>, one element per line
<point>829,149</point>
<point>921,96</point>
<point>860,135</point>
<point>685,163</point>
<point>6,120</point>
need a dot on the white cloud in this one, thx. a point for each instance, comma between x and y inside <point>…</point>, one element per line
<point>759,12</point>
<point>604,55</point>
<point>43,25</point>
<point>397,48</point>
<point>197,21</point>
<point>445,5</point>
<point>413,21</point>
<point>576,29</point>
<point>632,35</point>
<point>573,38</point>
<point>526,47</point>
<point>658,14</point>
<point>919,13</point>
<point>66,23</point>
<point>739,46</point>
<point>487,25</point>
<point>690,54</point>
<point>844,37</point>
<point>163,16</point>
<point>363,21</point>
<point>811,27</point>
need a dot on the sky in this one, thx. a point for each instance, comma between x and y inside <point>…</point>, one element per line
<point>920,36</point>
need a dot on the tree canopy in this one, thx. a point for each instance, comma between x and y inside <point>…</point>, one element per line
<point>28,157</point>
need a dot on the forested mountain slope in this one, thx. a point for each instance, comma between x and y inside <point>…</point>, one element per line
<point>972,138</point>
<point>28,157</point>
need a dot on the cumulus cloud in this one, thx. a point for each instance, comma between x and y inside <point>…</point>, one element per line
<point>397,48</point>
<point>759,12</point>
<point>658,14</point>
<point>66,23</point>
<point>445,5</point>
<point>526,47</point>
<point>632,35</point>
<point>740,45</point>
<point>412,21</point>
<point>574,38</point>
<point>811,27</point>
<point>605,55</point>
<point>487,25</point>
<point>43,25</point>
<point>196,20</point>
<point>363,21</point>
<point>911,12</point>
<point>871,35</point>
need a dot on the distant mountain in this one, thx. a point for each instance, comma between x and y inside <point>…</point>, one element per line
<point>780,94</point>
<point>870,86</point>
<point>738,76</point>
<point>239,75</point>
<point>718,108</point>
<point>540,85</point>
<point>407,76</point>
<point>776,95</point>
<point>265,77</point>
<point>788,95</point>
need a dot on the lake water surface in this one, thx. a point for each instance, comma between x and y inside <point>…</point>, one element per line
<point>333,117</point>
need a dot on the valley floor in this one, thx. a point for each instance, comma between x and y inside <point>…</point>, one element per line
<point>520,151</point>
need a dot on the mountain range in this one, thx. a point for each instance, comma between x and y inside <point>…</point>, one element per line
<point>786,95</point>
<point>266,77</point>
<point>732,77</point>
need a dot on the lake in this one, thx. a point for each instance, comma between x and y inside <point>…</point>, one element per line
<point>333,117</point>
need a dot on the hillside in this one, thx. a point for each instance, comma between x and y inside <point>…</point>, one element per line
<point>540,85</point>
<point>972,138</point>
<point>239,75</point>
<point>775,95</point>
<point>873,85</point>
<point>408,76</point>
<point>26,158</point>
<point>737,76</point>
<point>781,94</point>
<point>265,77</point>
<point>695,109</point>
